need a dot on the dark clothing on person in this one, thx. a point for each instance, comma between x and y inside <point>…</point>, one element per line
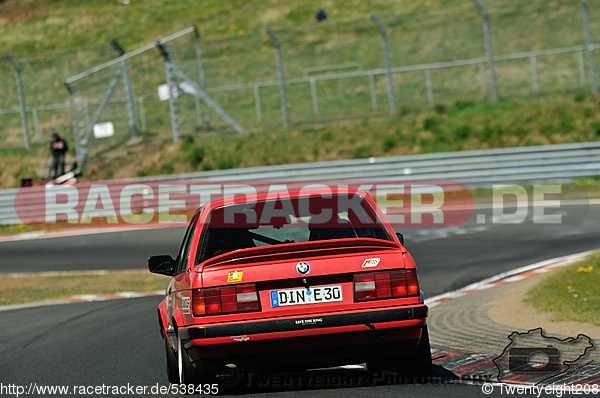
<point>321,15</point>
<point>58,147</point>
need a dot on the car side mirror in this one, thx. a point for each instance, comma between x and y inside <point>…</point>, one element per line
<point>400,238</point>
<point>164,265</point>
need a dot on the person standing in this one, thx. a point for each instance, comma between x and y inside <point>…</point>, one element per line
<point>58,147</point>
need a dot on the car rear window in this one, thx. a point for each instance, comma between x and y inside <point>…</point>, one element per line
<point>289,220</point>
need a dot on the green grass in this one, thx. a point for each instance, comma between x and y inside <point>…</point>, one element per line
<point>237,50</point>
<point>464,125</point>
<point>571,293</point>
<point>16,289</point>
<point>461,126</point>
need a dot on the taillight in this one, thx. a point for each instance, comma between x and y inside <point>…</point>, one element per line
<point>225,300</point>
<point>383,285</point>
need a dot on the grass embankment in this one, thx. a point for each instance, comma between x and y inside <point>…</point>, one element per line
<point>571,293</point>
<point>558,117</point>
<point>462,126</point>
<point>32,287</point>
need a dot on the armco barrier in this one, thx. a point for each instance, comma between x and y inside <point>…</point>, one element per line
<point>481,168</point>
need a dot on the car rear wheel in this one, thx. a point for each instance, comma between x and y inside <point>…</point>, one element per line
<point>186,373</point>
<point>418,363</point>
<point>171,360</point>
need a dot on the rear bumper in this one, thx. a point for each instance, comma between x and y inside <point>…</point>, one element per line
<point>305,322</point>
<point>322,339</point>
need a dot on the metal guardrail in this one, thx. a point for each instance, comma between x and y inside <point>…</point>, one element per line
<point>481,168</point>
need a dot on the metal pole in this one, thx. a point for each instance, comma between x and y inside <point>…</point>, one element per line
<point>388,64</point>
<point>201,74</point>
<point>21,98</point>
<point>172,93</point>
<point>129,89</point>
<point>207,100</point>
<point>534,75</point>
<point>73,119</point>
<point>282,92</point>
<point>131,102</point>
<point>313,95</point>
<point>257,105</point>
<point>111,88</point>
<point>489,49</point>
<point>590,46</point>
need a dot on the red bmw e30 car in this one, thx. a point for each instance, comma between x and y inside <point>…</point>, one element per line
<point>314,278</point>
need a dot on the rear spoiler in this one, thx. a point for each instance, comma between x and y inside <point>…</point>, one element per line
<point>291,250</point>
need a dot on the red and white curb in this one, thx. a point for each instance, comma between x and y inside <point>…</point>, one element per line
<point>82,298</point>
<point>505,277</point>
<point>509,276</point>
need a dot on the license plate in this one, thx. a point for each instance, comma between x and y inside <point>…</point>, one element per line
<point>301,296</point>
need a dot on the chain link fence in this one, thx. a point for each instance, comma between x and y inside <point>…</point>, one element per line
<point>159,85</point>
<point>463,50</point>
<point>32,86</point>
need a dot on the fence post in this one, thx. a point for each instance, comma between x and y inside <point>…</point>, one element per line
<point>386,59</point>
<point>111,88</point>
<point>129,88</point>
<point>17,67</point>
<point>73,119</point>
<point>590,46</point>
<point>172,93</point>
<point>282,92</point>
<point>489,49</point>
<point>201,75</point>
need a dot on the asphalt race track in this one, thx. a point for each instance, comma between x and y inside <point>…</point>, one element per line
<point>117,342</point>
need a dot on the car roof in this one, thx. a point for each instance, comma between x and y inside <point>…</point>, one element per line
<point>284,194</point>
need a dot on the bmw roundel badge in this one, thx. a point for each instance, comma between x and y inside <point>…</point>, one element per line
<point>303,268</point>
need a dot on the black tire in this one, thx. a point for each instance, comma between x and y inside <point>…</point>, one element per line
<point>419,363</point>
<point>186,373</point>
<point>171,361</point>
